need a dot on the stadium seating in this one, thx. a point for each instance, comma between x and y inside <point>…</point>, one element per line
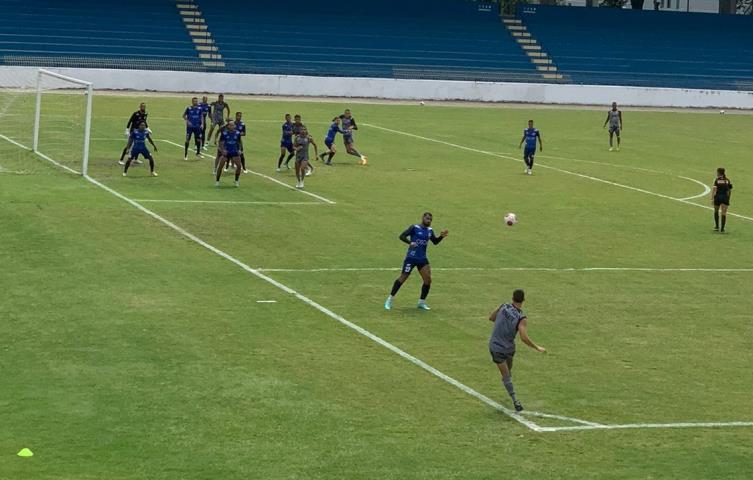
<point>108,33</point>
<point>629,47</point>
<point>453,39</point>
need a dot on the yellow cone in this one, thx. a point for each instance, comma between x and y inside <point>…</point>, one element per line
<point>25,452</point>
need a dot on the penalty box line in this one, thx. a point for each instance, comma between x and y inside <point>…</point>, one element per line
<point>272,179</point>
<point>561,170</point>
<point>583,424</point>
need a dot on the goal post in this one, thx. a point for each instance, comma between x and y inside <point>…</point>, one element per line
<point>52,82</point>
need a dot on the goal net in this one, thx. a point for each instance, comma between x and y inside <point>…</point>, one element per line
<point>45,113</point>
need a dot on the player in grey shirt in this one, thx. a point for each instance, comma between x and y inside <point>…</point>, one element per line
<point>301,145</point>
<point>614,119</point>
<point>509,320</point>
<point>217,116</point>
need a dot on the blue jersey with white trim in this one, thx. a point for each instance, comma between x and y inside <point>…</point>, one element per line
<point>531,135</point>
<point>194,115</point>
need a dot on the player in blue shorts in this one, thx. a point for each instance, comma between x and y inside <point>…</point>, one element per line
<point>194,125</point>
<point>530,136</point>
<point>230,151</point>
<point>418,238</point>
<point>348,125</point>
<point>329,141</point>
<point>241,127</point>
<point>286,142</point>
<point>206,109</point>
<point>137,142</point>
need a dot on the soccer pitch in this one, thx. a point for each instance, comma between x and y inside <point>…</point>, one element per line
<point>134,351</point>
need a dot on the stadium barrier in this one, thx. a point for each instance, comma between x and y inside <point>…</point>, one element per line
<point>397,89</point>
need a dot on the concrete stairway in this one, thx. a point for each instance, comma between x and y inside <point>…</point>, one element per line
<point>202,38</point>
<point>538,57</point>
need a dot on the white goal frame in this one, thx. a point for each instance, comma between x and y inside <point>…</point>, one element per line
<point>41,73</point>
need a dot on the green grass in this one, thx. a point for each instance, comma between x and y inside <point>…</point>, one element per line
<point>130,352</point>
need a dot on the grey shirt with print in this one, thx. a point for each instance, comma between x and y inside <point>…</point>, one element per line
<point>505,329</point>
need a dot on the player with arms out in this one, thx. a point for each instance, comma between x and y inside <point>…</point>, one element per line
<point>329,141</point>
<point>509,320</point>
<point>138,140</point>
<point>348,125</point>
<point>218,116</point>
<point>286,142</point>
<point>530,135</point>
<point>302,142</point>
<point>417,237</point>
<point>230,151</point>
<point>194,124</point>
<point>137,118</point>
<point>205,110</point>
<point>614,119</point>
<point>720,195</point>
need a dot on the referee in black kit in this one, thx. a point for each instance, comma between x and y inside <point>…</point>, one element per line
<point>137,118</point>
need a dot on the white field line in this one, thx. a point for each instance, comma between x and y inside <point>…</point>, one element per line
<point>420,363</point>
<point>230,202</point>
<point>64,167</point>
<point>568,172</point>
<point>706,189</point>
<point>560,417</point>
<point>509,269</point>
<point>266,301</point>
<point>290,187</point>
<point>647,425</point>
<point>322,309</point>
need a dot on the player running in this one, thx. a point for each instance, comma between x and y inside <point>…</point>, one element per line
<point>230,150</point>
<point>329,141</point>
<point>614,119</point>
<point>286,142</point>
<point>720,195</point>
<point>134,121</point>
<point>417,237</point>
<point>509,320</point>
<point>302,141</point>
<point>530,135</point>
<point>194,125</point>
<point>205,110</point>
<point>348,125</point>
<point>138,140</point>
<point>240,125</point>
<point>218,116</point>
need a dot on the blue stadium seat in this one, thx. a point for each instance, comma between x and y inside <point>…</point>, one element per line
<point>629,47</point>
<point>379,38</point>
<point>130,34</point>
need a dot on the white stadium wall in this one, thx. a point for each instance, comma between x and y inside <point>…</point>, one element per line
<point>387,88</point>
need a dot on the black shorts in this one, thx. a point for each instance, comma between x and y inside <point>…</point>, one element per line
<point>721,201</point>
<point>499,357</point>
<point>409,264</point>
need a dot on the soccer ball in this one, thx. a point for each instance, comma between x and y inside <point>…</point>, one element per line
<point>721,112</point>
<point>421,103</point>
<point>511,219</point>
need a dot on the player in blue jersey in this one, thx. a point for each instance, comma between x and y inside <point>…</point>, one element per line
<point>206,109</point>
<point>417,237</point>
<point>348,125</point>
<point>133,124</point>
<point>230,151</point>
<point>194,124</point>
<point>137,143</point>
<point>286,142</point>
<point>530,136</point>
<point>240,125</point>
<point>329,141</point>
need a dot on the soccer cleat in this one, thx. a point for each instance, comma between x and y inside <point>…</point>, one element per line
<point>618,148</point>
<point>121,162</point>
<point>518,406</point>
<point>716,229</point>
<point>154,174</point>
<point>225,169</point>
<point>530,172</point>
<point>217,183</point>
<point>287,166</point>
<point>525,170</point>
<point>388,304</point>
<point>611,149</point>
<point>364,160</point>
<point>328,163</point>
<point>125,174</point>
<point>185,159</point>
<point>204,147</point>
<point>309,171</point>
<point>278,169</point>
<point>237,183</point>
<point>423,306</point>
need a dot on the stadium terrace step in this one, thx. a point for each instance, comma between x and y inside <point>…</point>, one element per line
<point>537,56</point>
<point>198,30</point>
